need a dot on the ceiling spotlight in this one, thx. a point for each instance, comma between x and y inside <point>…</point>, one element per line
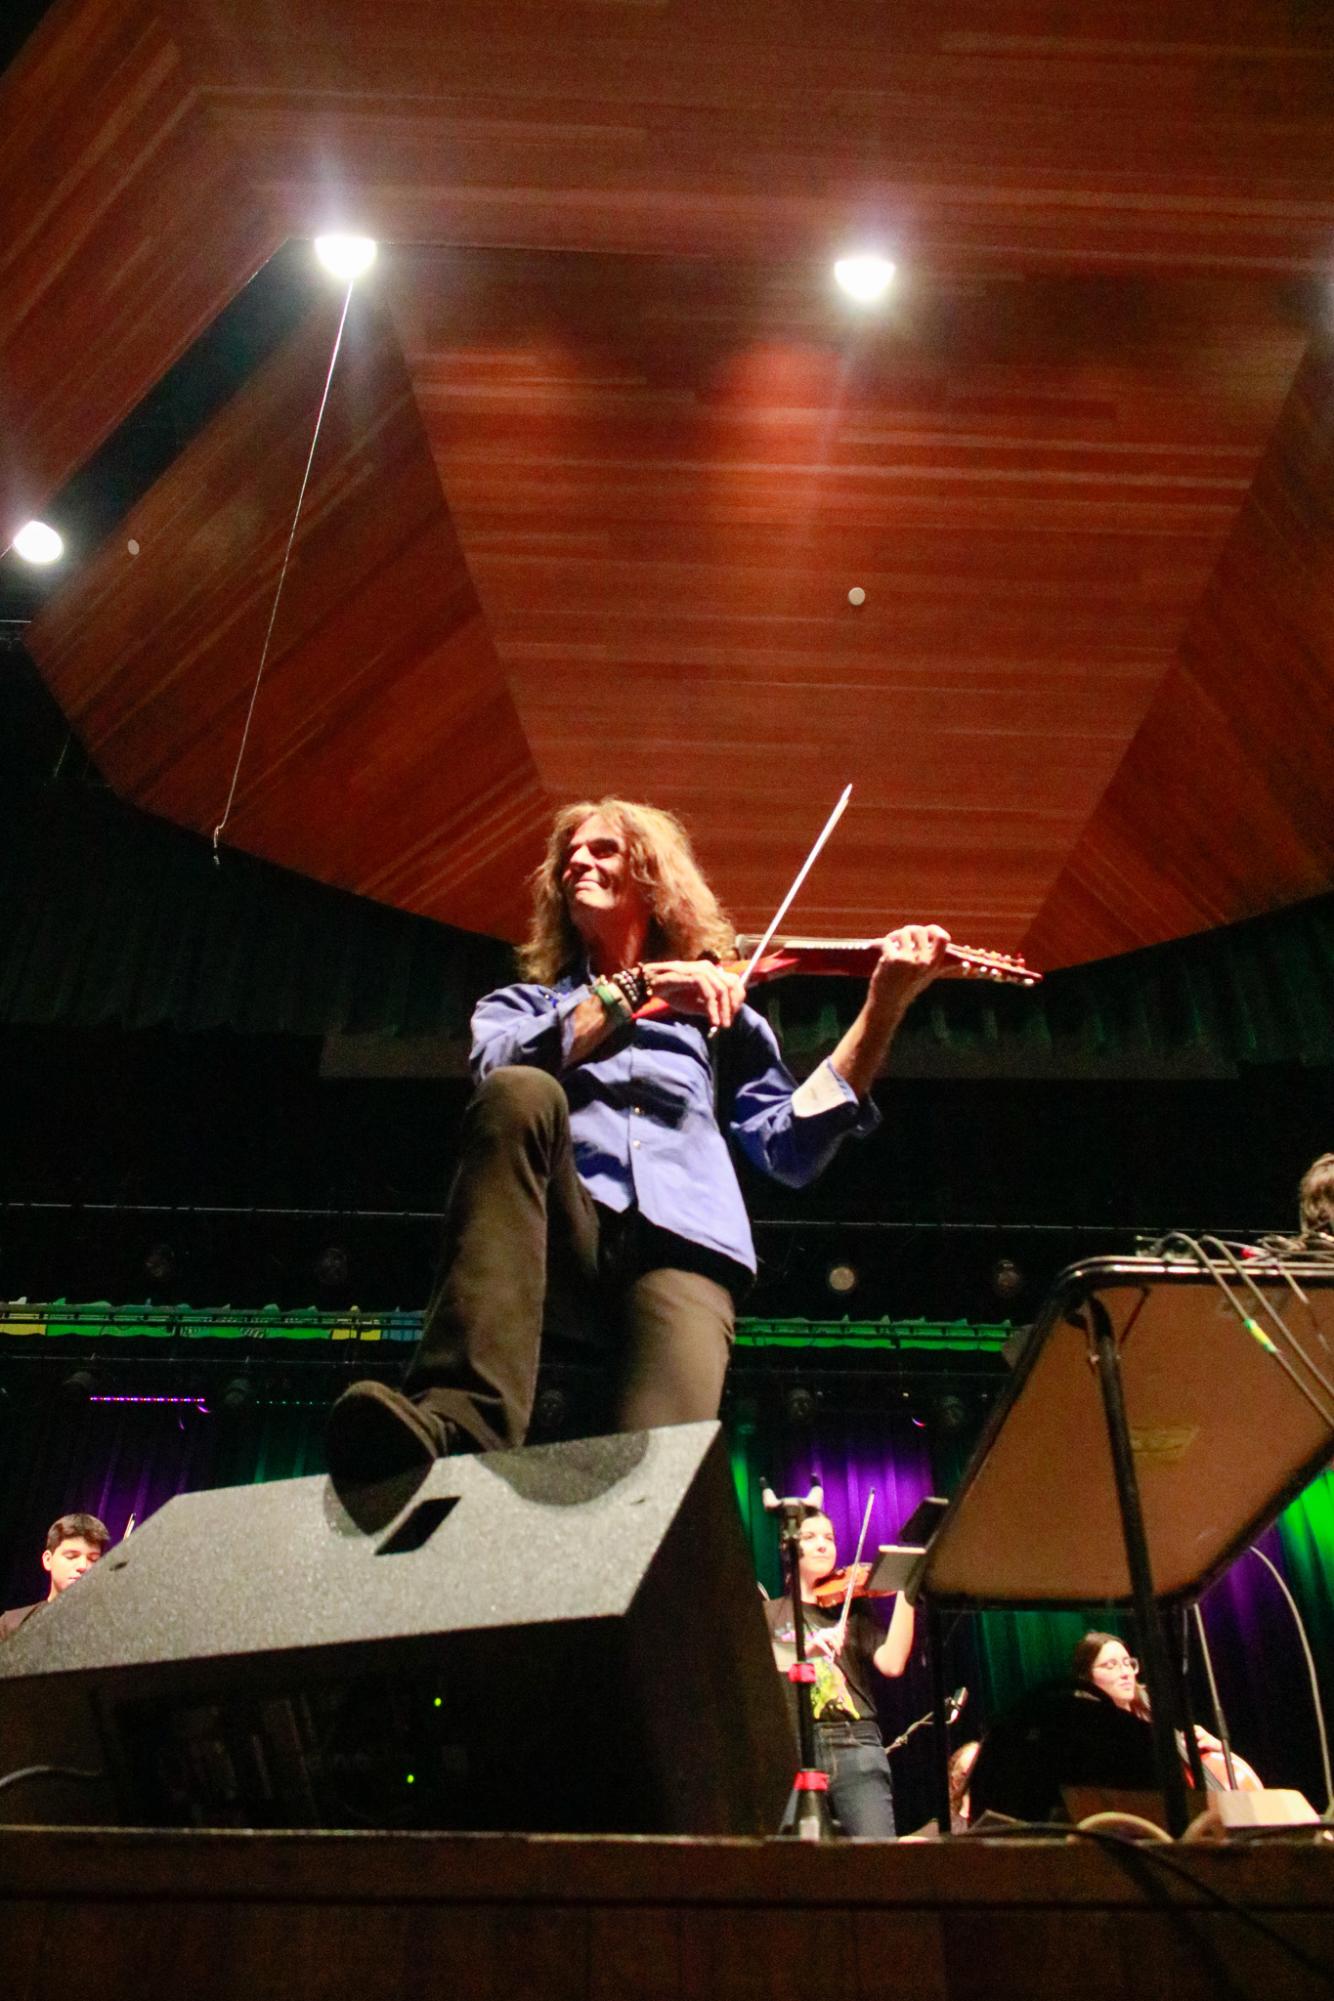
<point>865,278</point>
<point>346,257</point>
<point>38,543</point>
<point>841,1278</point>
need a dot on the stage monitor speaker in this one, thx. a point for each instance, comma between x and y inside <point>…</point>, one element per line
<point>564,1639</point>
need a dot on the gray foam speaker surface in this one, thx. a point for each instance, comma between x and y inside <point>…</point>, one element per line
<point>567,1637</point>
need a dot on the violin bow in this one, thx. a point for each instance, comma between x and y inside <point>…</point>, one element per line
<point>841,1629</point>
<point>798,880</point>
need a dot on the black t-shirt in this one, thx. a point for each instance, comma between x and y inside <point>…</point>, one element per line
<point>842,1688</point>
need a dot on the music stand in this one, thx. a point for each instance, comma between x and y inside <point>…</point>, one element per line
<point>1161,1415</point>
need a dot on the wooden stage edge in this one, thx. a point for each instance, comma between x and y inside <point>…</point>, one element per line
<point>104,1913</point>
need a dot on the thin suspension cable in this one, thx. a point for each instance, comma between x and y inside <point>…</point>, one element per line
<point>1312,1676</point>
<point>282,574</point>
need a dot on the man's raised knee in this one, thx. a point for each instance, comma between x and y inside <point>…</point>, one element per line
<point>519,1097</point>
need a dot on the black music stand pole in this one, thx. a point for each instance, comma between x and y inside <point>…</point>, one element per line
<point>1152,1646</point>
<point>940,1709</point>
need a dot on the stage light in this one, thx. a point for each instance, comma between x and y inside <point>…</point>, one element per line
<point>346,257</point>
<point>160,1264</point>
<point>77,1387</point>
<point>551,1411</point>
<point>38,543</point>
<point>332,1268</point>
<point>950,1412</point>
<point>238,1394</point>
<point>841,1278</point>
<point>865,278</point>
<point>799,1404</point>
<point>1007,1280</point>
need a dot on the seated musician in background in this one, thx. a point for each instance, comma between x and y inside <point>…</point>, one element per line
<point>1101,1662</point>
<point>594,1187</point>
<point>848,1743</point>
<point>74,1543</point>
<point>962,1760</point>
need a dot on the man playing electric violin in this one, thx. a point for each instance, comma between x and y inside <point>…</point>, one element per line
<point>594,1184</point>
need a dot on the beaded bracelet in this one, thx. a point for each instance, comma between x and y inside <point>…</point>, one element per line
<point>633,986</point>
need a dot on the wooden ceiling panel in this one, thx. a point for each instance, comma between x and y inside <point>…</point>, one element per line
<point>667,476</point>
<point>1224,804</point>
<point>106,272</point>
<point>1102,137</point>
<point>383,736</point>
<point>599,531</point>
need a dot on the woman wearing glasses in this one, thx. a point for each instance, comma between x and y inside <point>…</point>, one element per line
<point>1101,1662</point>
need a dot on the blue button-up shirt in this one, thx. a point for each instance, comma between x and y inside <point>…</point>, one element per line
<point>642,1111</point>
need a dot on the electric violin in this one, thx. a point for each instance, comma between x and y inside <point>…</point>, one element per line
<point>771,957</point>
<point>856,958</point>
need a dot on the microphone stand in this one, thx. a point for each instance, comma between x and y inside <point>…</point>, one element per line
<point>811,1820</point>
<point>954,1709</point>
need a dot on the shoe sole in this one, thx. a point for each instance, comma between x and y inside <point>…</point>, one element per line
<point>370,1439</point>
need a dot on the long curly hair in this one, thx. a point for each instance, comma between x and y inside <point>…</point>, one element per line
<point>686,922</point>
<point>1316,1195</point>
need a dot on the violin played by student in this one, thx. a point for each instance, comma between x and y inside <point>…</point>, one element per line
<point>854,1581</point>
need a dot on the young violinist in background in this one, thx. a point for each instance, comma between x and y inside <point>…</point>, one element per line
<point>593,1153</point>
<point>851,1651</point>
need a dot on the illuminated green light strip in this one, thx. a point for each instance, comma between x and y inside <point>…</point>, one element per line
<point>954,1335</point>
<point>98,1319</point>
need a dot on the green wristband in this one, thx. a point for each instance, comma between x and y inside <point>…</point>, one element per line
<point>613,1000</point>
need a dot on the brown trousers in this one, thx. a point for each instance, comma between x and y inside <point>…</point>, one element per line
<point>526,1250</point>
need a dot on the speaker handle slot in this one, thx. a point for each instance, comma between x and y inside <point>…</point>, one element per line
<point>417,1528</point>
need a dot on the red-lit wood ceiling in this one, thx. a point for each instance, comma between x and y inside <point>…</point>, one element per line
<point>604,454</point>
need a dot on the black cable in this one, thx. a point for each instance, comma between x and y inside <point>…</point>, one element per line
<point>1311,1674</point>
<point>48,1772</point>
<point>1152,1852</point>
<point>1273,1312</point>
<point>1211,1268</point>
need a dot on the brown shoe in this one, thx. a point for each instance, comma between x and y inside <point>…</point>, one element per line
<point>375,1433</point>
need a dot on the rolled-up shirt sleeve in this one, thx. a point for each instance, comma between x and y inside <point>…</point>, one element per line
<point>524,1024</point>
<point>791,1131</point>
